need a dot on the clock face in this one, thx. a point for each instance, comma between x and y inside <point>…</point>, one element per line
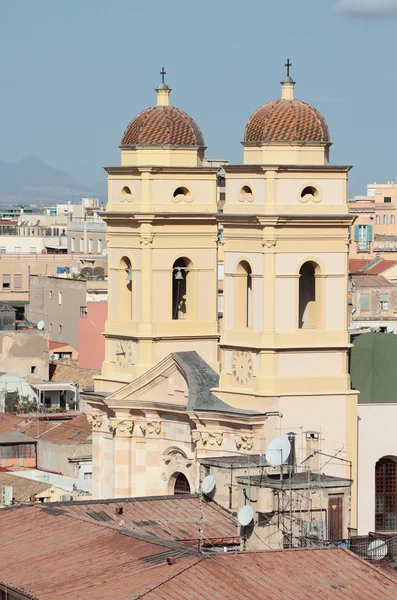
<point>242,366</point>
<point>124,353</point>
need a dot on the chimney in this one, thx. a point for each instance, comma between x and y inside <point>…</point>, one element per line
<point>119,510</point>
<point>171,560</point>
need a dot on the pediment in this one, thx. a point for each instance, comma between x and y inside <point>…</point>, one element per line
<point>164,384</point>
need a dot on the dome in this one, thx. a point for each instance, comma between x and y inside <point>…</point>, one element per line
<point>163,126</point>
<point>286,120</point>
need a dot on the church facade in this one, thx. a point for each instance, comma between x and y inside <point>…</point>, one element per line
<point>175,387</point>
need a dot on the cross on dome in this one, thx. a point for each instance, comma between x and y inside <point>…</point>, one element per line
<point>163,72</point>
<point>288,64</point>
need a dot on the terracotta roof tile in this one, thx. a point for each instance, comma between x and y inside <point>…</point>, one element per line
<point>73,431</point>
<point>298,574</point>
<point>381,267</point>
<point>355,264</point>
<point>163,125</point>
<point>10,422</point>
<point>167,517</point>
<point>23,488</point>
<point>62,373</point>
<point>97,560</point>
<point>368,281</point>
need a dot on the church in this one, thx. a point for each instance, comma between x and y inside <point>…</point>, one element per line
<point>176,384</point>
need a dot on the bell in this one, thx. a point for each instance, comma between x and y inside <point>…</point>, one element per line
<point>129,274</point>
<point>178,275</point>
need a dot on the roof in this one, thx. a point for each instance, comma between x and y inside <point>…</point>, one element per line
<point>371,267</point>
<point>92,560</point>
<point>71,373</point>
<point>99,560</point>
<point>294,574</point>
<point>373,367</point>
<point>372,281</point>
<point>9,422</point>
<point>286,121</point>
<point>201,378</point>
<point>167,517</point>
<point>73,431</point>
<point>15,437</point>
<point>22,488</point>
<point>163,126</point>
<point>355,264</point>
<point>299,481</point>
<point>58,345</point>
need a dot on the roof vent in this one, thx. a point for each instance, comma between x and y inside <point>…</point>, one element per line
<point>119,510</point>
<point>171,560</point>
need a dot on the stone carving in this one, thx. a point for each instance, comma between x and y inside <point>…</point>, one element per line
<point>146,238</point>
<point>269,243</point>
<point>121,427</point>
<point>207,438</point>
<point>96,420</point>
<point>150,427</point>
<point>245,442</point>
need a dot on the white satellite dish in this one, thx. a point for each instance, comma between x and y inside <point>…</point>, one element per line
<point>245,515</point>
<point>40,325</point>
<point>377,550</point>
<point>104,252</point>
<point>208,484</point>
<point>278,451</point>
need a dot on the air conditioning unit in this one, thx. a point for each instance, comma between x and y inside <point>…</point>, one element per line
<point>54,356</point>
<point>6,495</point>
<point>66,497</point>
<point>315,530</point>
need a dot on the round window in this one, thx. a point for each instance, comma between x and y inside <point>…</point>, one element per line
<point>126,194</point>
<point>182,194</point>
<point>310,193</point>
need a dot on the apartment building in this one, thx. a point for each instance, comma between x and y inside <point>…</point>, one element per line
<point>376,216</point>
<point>61,301</point>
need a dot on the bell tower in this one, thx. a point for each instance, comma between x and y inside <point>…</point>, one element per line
<point>162,246</point>
<point>285,341</point>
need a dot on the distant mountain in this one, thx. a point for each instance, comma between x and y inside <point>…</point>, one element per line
<point>31,180</point>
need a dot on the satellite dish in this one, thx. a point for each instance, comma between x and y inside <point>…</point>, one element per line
<point>104,252</point>
<point>245,515</point>
<point>40,325</point>
<point>208,484</point>
<point>377,550</point>
<point>278,451</point>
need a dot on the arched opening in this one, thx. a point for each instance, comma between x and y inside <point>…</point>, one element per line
<point>124,288</point>
<point>182,193</point>
<point>308,301</point>
<point>126,194</point>
<point>386,494</point>
<point>246,193</point>
<point>181,485</point>
<point>309,192</point>
<point>181,291</point>
<point>243,295</point>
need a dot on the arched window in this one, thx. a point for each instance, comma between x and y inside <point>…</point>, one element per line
<point>243,295</point>
<point>386,494</point>
<point>308,301</point>
<point>181,291</point>
<point>181,485</point>
<point>124,297</point>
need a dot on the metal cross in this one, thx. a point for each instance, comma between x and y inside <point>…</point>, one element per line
<point>162,73</point>
<point>288,64</point>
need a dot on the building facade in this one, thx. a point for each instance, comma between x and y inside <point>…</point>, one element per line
<point>164,399</point>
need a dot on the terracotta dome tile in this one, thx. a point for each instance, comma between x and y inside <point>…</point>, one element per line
<point>163,125</point>
<point>287,120</point>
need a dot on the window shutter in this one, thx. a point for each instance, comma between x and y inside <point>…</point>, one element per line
<point>356,233</point>
<point>6,279</point>
<point>369,233</point>
<point>364,302</point>
<point>18,281</point>
<point>384,297</point>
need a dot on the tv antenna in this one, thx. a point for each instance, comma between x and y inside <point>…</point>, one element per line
<point>278,451</point>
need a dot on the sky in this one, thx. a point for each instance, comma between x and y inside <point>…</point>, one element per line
<point>74,73</point>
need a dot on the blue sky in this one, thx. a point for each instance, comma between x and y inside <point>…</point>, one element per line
<point>73,74</point>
